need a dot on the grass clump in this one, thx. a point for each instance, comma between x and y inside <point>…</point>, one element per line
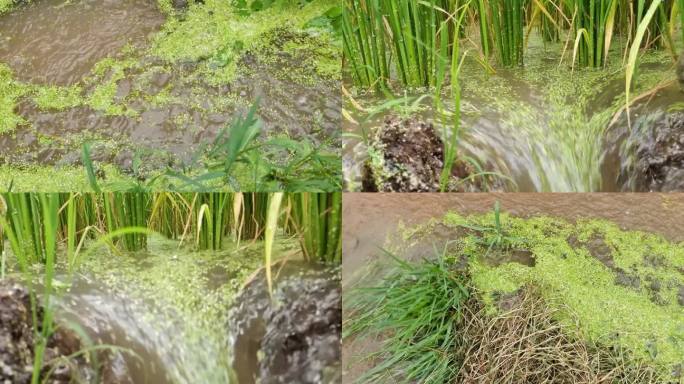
<point>416,309</point>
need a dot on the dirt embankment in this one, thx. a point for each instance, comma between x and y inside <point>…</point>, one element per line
<point>407,155</point>
<point>298,331</point>
<point>63,361</point>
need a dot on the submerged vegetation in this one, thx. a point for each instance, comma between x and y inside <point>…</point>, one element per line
<point>533,300</point>
<point>51,240</point>
<point>454,51</point>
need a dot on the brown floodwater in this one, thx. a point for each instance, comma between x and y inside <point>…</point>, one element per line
<point>58,42</point>
<point>369,218</point>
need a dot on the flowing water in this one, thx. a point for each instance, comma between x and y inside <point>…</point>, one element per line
<point>542,125</point>
<point>58,42</point>
<point>169,309</point>
<point>162,111</point>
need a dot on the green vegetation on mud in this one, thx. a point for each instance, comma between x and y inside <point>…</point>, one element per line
<point>617,287</point>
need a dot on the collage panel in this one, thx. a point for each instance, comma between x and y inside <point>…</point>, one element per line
<point>189,95</point>
<point>513,96</point>
<point>513,288</point>
<point>170,288</point>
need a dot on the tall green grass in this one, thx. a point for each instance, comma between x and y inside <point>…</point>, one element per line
<point>415,310</point>
<point>383,37</point>
<point>399,41</point>
<point>507,20</point>
<point>316,218</point>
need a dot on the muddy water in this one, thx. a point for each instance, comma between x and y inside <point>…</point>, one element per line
<point>114,319</point>
<point>190,317</point>
<point>167,109</point>
<point>533,125</point>
<point>58,41</point>
<point>370,218</point>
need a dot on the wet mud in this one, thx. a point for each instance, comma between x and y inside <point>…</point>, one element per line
<point>409,156</point>
<point>655,153</point>
<point>294,337</point>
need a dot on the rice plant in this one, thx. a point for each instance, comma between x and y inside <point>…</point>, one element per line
<point>212,212</point>
<point>126,210</point>
<point>507,20</point>
<point>382,36</point>
<point>316,218</point>
<point>31,242</point>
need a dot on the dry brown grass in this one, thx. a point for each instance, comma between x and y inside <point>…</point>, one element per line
<point>524,343</point>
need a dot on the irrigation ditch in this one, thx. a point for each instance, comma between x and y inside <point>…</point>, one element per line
<point>527,96</point>
<point>170,288</point>
<point>511,288</point>
<point>157,88</point>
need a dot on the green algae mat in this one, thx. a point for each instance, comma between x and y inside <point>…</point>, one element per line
<point>614,287</point>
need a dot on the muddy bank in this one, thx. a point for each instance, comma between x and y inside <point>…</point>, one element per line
<point>296,337</point>
<point>641,267</point>
<point>62,362</point>
<point>653,153</point>
<point>407,155</point>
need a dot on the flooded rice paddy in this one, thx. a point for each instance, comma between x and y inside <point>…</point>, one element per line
<point>170,315</point>
<point>152,85</point>
<point>542,127</point>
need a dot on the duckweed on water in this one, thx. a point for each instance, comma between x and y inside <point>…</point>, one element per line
<point>212,59</point>
<point>191,293</point>
<point>622,287</point>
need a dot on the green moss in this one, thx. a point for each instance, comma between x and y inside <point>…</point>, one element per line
<point>645,317</point>
<point>214,34</point>
<point>6,5</point>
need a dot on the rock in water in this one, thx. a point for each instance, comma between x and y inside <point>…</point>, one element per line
<point>294,338</point>
<point>680,71</point>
